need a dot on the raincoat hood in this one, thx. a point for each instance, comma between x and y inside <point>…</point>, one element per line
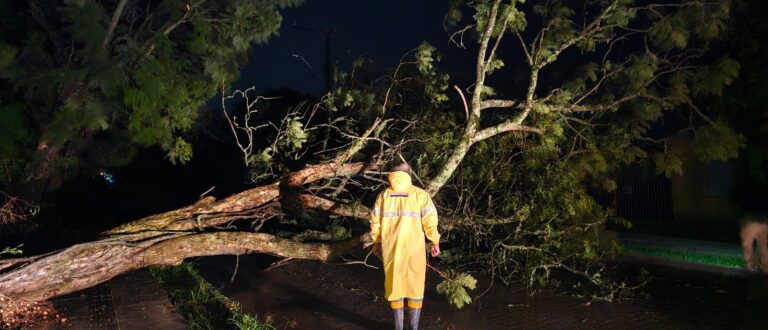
<point>399,181</point>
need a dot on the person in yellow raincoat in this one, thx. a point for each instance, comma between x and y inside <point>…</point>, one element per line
<point>402,216</point>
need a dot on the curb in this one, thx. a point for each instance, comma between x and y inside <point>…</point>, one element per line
<point>685,246</point>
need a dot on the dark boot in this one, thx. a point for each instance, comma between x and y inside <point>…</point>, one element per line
<point>399,315</point>
<point>413,317</point>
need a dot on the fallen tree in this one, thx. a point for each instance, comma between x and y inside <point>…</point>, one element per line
<point>169,238</point>
<point>520,208</point>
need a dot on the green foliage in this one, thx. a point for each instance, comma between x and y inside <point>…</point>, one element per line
<point>264,157</point>
<point>14,135</point>
<point>515,18</point>
<point>260,165</point>
<point>201,305</point>
<point>668,164</point>
<point>414,88</point>
<point>337,231</point>
<point>425,56</point>
<point>436,84</point>
<point>717,142</point>
<point>180,152</point>
<point>641,71</point>
<point>454,287</point>
<point>144,88</point>
<point>294,136</point>
<point>527,209</point>
<point>686,255</point>
<point>711,80</point>
<point>75,116</point>
<point>247,322</point>
<point>11,250</point>
<point>670,32</point>
<point>494,64</point>
<point>7,58</point>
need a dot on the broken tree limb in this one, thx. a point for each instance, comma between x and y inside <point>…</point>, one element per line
<point>88,264</point>
<point>505,127</point>
<point>169,238</point>
<point>337,208</point>
<point>209,212</point>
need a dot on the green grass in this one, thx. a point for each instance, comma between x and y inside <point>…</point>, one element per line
<point>730,262</point>
<point>201,305</point>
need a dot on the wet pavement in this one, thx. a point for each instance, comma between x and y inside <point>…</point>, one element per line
<point>313,295</point>
<point>128,302</point>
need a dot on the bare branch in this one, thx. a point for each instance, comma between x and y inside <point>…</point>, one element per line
<point>14,209</point>
<point>375,128</point>
<point>245,148</point>
<point>600,82</point>
<point>528,57</point>
<point>460,33</point>
<point>480,65</point>
<point>499,104</point>
<point>113,23</point>
<point>319,203</point>
<point>149,46</point>
<point>463,100</point>
<point>640,92</point>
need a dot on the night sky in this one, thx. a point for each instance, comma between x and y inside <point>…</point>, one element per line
<point>379,30</point>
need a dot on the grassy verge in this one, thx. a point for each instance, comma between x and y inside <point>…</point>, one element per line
<point>730,262</point>
<point>201,305</point>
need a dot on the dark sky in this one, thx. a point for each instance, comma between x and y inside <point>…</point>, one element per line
<point>381,30</point>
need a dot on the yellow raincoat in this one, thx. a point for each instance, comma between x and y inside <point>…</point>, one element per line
<point>402,216</point>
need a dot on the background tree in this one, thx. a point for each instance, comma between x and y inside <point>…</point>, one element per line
<point>745,104</point>
<point>83,84</point>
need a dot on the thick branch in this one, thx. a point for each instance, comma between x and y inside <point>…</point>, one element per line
<point>208,212</point>
<point>85,265</point>
<point>497,42</point>
<point>319,203</point>
<point>169,238</point>
<point>450,165</point>
<point>205,213</point>
<point>313,173</point>
<point>480,65</point>
<point>509,126</point>
<point>466,141</point>
<point>499,104</point>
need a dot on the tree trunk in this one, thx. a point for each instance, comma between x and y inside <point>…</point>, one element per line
<point>169,238</point>
<point>88,264</point>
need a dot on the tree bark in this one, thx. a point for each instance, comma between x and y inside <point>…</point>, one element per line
<point>88,264</point>
<point>169,238</point>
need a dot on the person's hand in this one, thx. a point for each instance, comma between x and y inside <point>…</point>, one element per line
<point>434,250</point>
<point>377,249</point>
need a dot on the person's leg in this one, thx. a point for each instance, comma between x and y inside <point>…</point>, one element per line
<point>762,246</point>
<point>414,312</point>
<point>398,312</point>
<point>747,243</point>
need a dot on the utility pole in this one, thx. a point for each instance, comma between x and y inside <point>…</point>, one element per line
<point>327,34</point>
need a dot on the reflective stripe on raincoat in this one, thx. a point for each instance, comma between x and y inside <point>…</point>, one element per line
<point>402,216</point>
